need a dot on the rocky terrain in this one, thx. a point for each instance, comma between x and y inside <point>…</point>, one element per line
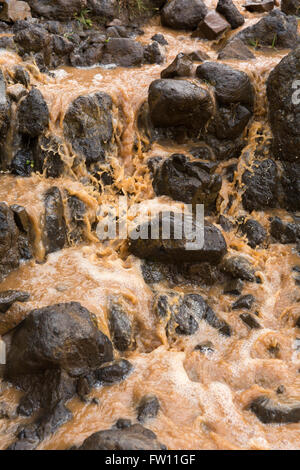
<point>133,343</point>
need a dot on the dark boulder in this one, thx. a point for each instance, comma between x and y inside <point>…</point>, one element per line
<point>181,66</point>
<point>290,7</point>
<point>55,235</point>
<point>183,14</point>
<point>269,412</point>
<point>259,6</point>
<point>154,53</point>
<point>61,336</point>
<point>229,122</point>
<point>76,209</point>
<point>123,52</point>
<point>230,85</point>
<point>284,107</point>
<point>228,9</point>
<point>234,287</point>
<point>160,39</point>
<point>275,29</point>
<point>187,181</point>
<point>245,301</point>
<point>21,76</point>
<point>120,327</point>
<point>88,126</point>
<point>254,231</point>
<point>48,156</point>
<point>284,232</point>
<point>22,163</point>
<point>33,114</point>
<point>4,107</point>
<point>260,184</point>
<point>291,185</point>
<point>198,56</point>
<point>33,38</point>
<point>9,297</point>
<point>239,268</point>
<point>175,103</point>
<point>9,233</point>
<point>56,9</point>
<point>88,52</point>
<point>211,27</point>
<point>235,49</point>
<point>172,250</point>
<point>148,408</point>
<point>134,437</point>
<point>115,372</point>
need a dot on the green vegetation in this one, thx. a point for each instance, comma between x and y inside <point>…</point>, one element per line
<point>82,18</point>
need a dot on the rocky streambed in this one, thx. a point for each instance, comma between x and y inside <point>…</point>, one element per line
<point>135,343</point>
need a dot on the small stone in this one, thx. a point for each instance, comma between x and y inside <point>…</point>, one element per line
<point>182,66</point>
<point>235,49</point>
<point>245,301</point>
<point>114,372</point>
<point>259,7</point>
<point>250,321</point>
<point>234,287</point>
<point>211,27</point>
<point>9,297</point>
<point>228,9</point>
<point>205,348</point>
<point>198,56</point>
<point>148,408</point>
<point>160,39</point>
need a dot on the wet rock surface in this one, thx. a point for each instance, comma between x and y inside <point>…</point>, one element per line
<point>261,185</point>
<point>183,14</point>
<point>8,298</point>
<point>268,412</point>
<point>228,9</point>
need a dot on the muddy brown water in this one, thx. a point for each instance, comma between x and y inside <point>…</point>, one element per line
<point>203,398</point>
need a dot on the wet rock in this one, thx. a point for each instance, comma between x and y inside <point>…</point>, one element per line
<point>229,121</point>
<point>181,66</point>
<point>175,103</point>
<point>7,42</point>
<point>186,181</point>
<point>269,412</point>
<point>22,219</point>
<point>198,56</point>
<point>154,53</point>
<point>183,14</point>
<point>275,29</point>
<point>4,108</point>
<point>152,272</point>
<point>22,163</point>
<point>235,49</point>
<point>134,437</point>
<point>88,126</point>
<point>89,52</point>
<point>48,156</point>
<point>284,232</point>
<point>231,86</point>
<point>245,301</point>
<point>290,7</point>
<point>148,408</point>
<point>173,250</point>
<point>61,336</point>
<point>57,9</point>
<point>160,39</point>
<point>192,309</point>
<point>33,38</point>
<point>14,10</point>
<point>54,225</point>
<point>239,268</point>
<point>212,26</point>
<point>261,185</point>
<point>9,297</point>
<point>225,223</point>
<point>259,6</point>
<point>228,9</point>
<point>284,107</point>
<point>77,211</point>
<point>205,348</point>
<point>254,231</point>
<point>120,327</point>
<point>215,322</point>
<point>250,321</point>
<point>123,423</point>
<point>115,372</point>
<point>9,253</point>
<point>61,45</point>
<point>234,287</point>
<point>16,92</point>
<point>291,185</point>
<point>123,52</point>
<point>21,76</point>
<point>33,114</point>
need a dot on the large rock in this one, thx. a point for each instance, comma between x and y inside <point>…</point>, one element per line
<point>212,26</point>
<point>88,126</point>
<point>88,52</point>
<point>183,14</point>
<point>55,234</point>
<point>284,107</point>
<point>5,108</point>
<point>9,233</point>
<point>181,66</point>
<point>33,114</point>
<point>228,9</point>
<point>61,336</point>
<point>275,29</point>
<point>290,7</point>
<point>175,103</point>
<point>235,49</point>
<point>269,412</point>
<point>13,10</point>
<point>186,181</point>
<point>172,250</point>
<point>133,437</point>
<point>56,9</point>
<point>291,185</point>
<point>261,183</point>
<point>230,85</point>
<point>123,52</point>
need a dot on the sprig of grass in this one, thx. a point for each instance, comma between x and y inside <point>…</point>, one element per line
<point>82,17</point>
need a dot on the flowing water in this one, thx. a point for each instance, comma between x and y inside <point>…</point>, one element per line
<point>203,398</point>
